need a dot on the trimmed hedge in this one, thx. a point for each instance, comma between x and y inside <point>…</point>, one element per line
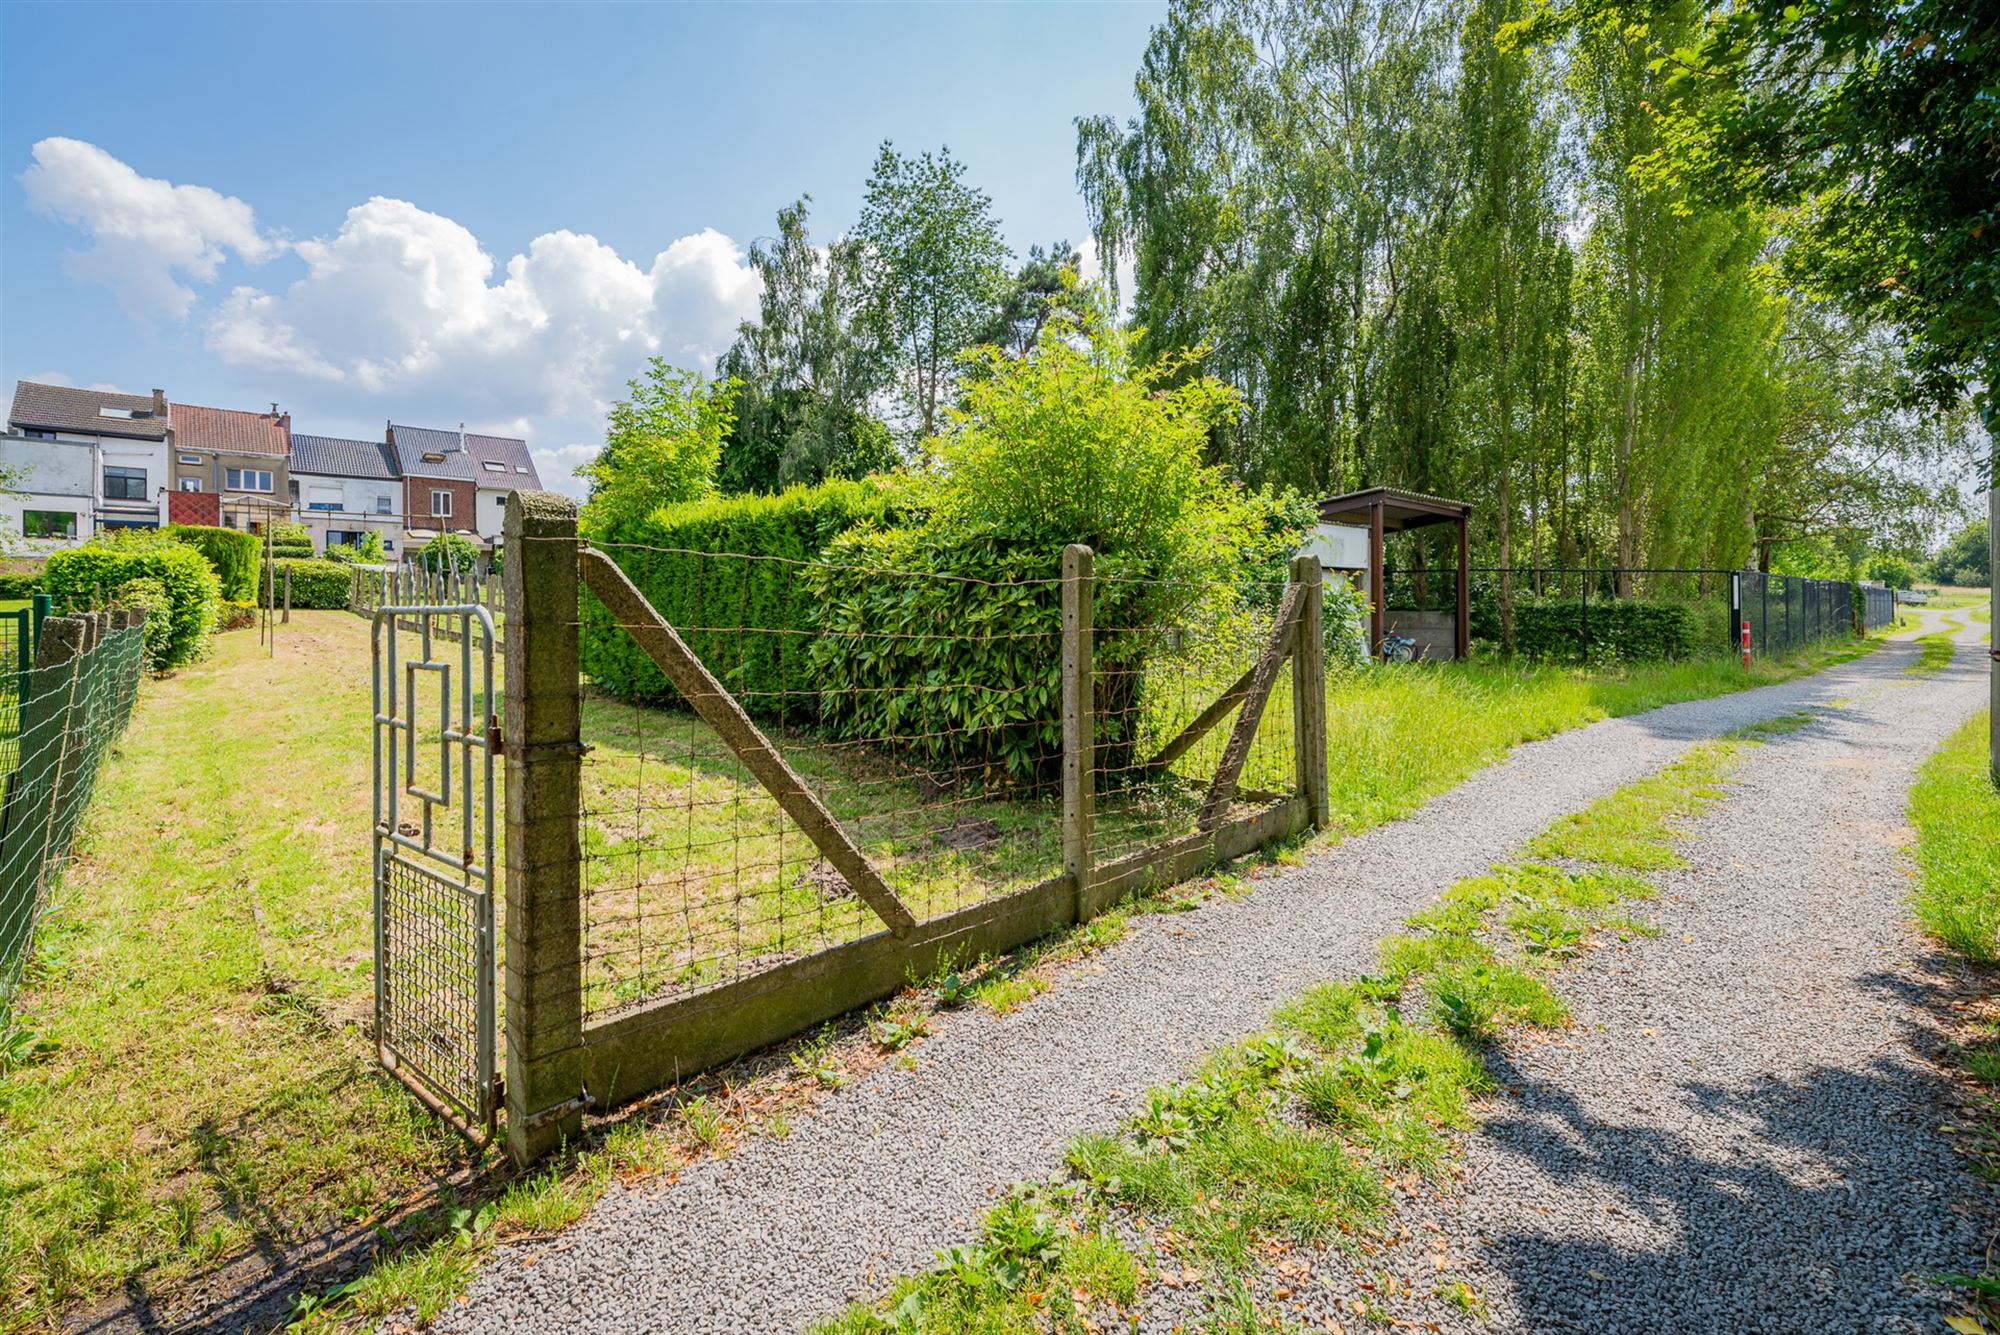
<point>233,553</point>
<point>75,576</point>
<point>1623,629</point>
<point>322,585</point>
<point>680,561</point>
<point>293,551</point>
<point>21,585</point>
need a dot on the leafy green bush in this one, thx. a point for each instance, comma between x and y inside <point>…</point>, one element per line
<point>449,552</point>
<point>341,552</point>
<point>748,619</point>
<point>23,584</point>
<point>1630,630</point>
<point>234,554</point>
<point>315,584</point>
<point>234,615</point>
<point>76,576</point>
<point>150,596</point>
<point>292,551</point>
<point>955,652</point>
<point>1345,624</point>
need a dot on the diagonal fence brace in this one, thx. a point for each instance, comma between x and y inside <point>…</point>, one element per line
<point>718,708</point>
<point>1263,676</point>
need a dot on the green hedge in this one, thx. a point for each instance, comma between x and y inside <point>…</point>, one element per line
<point>233,553</point>
<point>1624,630</point>
<point>681,558</point>
<point>324,585</point>
<point>22,585</point>
<point>76,576</point>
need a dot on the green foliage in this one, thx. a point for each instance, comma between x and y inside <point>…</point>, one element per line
<point>1074,443</point>
<point>448,553</point>
<point>745,617</point>
<point>341,553</point>
<point>1967,558</point>
<point>22,584</point>
<point>1882,158</point>
<point>807,367</point>
<point>149,595</point>
<point>325,585</point>
<point>937,269</point>
<point>292,551</point>
<point>1623,630</point>
<point>233,553</point>
<point>1956,812</point>
<point>75,576</point>
<point>661,446</point>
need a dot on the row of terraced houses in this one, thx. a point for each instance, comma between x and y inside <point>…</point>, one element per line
<point>79,461</point>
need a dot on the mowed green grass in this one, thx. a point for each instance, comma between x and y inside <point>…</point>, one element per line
<point>1955,811</point>
<point>206,976</point>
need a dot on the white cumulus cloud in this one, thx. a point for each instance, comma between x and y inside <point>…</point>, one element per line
<point>400,312</point>
<point>149,238</point>
<point>401,303</point>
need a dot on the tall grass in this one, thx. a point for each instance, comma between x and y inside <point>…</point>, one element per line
<point>1398,736</point>
<point>1956,812</point>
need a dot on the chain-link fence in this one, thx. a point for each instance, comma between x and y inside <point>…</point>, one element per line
<point>72,704</point>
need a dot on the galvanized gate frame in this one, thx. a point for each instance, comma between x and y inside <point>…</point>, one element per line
<point>435,952</point>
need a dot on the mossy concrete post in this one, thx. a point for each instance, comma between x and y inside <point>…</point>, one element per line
<point>1079,724</point>
<point>1309,692</point>
<point>544,762</point>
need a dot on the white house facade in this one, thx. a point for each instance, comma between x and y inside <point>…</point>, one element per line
<point>348,489</point>
<point>129,437</point>
<point>55,493</point>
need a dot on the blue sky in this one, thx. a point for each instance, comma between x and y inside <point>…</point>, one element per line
<point>492,214</point>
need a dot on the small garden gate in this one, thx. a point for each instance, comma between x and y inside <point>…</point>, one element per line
<point>435,962</point>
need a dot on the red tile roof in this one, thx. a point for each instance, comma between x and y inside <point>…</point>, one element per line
<point>229,431</point>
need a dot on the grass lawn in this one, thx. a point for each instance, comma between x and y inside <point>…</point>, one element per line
<point>205,976</point>
<point>1956,812</point>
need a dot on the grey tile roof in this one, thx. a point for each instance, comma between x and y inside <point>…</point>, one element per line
<point>414,442</point>
<point>67,408</point>
<point>511,454</point>
<point>330,456</point>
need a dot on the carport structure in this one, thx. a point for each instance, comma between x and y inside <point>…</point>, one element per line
<point>1385,510</point>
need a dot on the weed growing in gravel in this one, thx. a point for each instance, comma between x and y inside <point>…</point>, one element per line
<point>1290,1137</point>
<point>1935,650</point>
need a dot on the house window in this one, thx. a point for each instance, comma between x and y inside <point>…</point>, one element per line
<point>190,484</point>
<point>188,458</point>
<point>246,479</point>
<point>48,524</point>
<point>124,484</point>
<point>382,504</point>
<point>440,505</point>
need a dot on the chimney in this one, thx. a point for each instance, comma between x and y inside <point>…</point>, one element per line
<point>274,410</point>
<point>388,431</point>
<point>461,435</point>
<point>159,403</point>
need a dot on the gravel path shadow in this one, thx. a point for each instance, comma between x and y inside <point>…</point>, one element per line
<point>1741,1131</point>
<point>884,1173</point>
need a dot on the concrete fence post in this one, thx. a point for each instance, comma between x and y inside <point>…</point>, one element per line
<point>544,763</point>
<point>1079,722</point>
<point>1309,693</point>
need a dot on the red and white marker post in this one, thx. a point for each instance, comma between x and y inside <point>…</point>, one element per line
<point>1746,646</point>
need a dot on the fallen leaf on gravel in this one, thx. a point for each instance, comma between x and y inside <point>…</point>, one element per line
<point>1596,1275</point>
<point>1966,1325</point>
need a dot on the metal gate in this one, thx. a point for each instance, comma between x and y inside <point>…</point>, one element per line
<point>435,960</point>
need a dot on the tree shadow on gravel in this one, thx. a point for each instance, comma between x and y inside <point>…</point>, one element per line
<point>1819,1202</point>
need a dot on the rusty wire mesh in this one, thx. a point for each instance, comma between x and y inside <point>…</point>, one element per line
<point>937,747</point>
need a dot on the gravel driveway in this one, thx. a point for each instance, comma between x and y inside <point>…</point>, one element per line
<point>884,1173</point>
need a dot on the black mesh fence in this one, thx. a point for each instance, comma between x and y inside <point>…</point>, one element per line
<point>1623,612</point>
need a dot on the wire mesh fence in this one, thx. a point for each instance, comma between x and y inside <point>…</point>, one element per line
<point>1583,612</point>
<point>933,739</point>
<point>73,704</point>
<point>377,586</point>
